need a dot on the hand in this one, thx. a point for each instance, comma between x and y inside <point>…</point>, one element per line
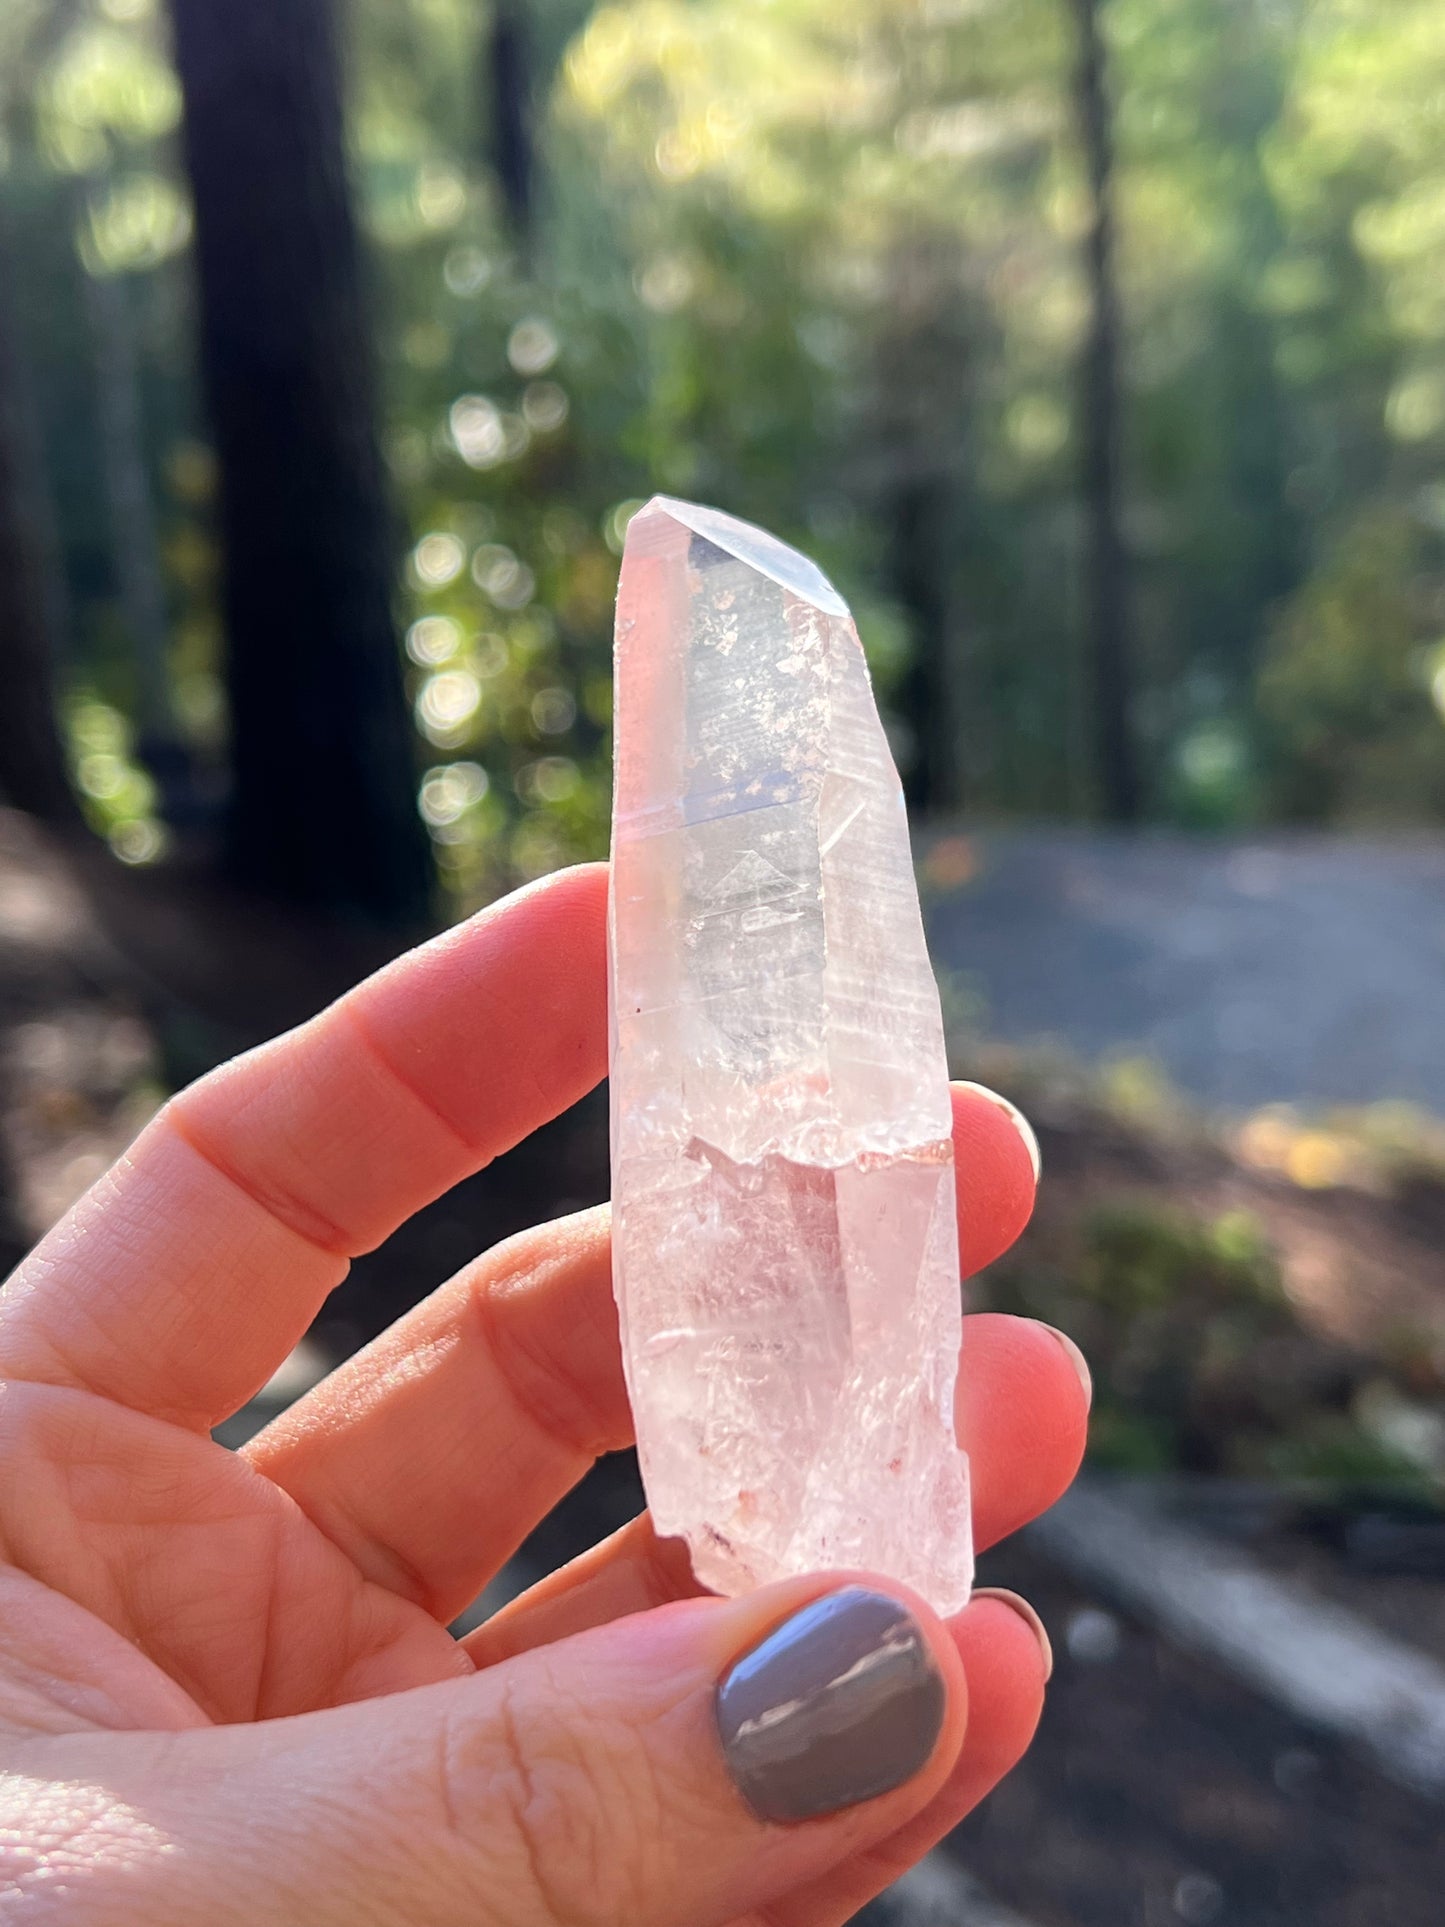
<point>227,1691</point>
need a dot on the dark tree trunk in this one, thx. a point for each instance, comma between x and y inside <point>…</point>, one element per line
<point>323,808</point>
<point>1107,566</point>
<point>930,693</point>
<point>918,470</point>
<point>33,774</point>
<point>510,62</point>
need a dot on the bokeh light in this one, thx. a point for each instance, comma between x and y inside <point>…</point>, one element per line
<point>554,711</point>
<point>475,425</point>
<point>449,791</point>
<point>502,576</point>
<point>544,406</point>
<point>437,559</point>
<point>533,345</point>
<point>447,704</point>
<point>433,639</point>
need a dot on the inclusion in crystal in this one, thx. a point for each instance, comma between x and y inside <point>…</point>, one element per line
<point>785,1246</point>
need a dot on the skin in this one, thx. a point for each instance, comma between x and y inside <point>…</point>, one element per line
<point>227,1691</point>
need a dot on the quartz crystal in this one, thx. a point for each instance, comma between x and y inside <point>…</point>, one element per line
<point>785,1246</point>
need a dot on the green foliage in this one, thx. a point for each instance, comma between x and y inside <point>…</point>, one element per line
<point>1335,1449</point>
<point>1200,1362</point>
<point>1129,1441</point>
<point>91,186</point>
<point>807,258</point>
<point>1138,1259</point>
<point>1352,687</point>
<point>118,796</point>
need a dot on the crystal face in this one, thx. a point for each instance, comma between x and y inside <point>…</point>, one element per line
<point>785,1245</point>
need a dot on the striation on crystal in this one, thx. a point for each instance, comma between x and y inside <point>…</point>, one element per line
<point>785,1247</point>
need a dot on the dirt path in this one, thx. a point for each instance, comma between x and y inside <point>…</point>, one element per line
<point>1253,970</point>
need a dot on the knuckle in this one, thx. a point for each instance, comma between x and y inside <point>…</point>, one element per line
<point>548,1362</point>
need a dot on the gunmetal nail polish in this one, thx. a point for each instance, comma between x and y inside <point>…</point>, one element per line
<point>840,1703</point>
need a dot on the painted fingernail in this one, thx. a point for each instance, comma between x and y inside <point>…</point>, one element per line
<point>840,1703</point>
<point>1015,1117</point>
<point>1025,1612</point>
<point>1076,1358</point>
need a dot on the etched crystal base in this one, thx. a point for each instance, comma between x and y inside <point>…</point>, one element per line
<point>785,1246</point>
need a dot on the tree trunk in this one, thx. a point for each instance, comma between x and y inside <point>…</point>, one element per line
<point>323,806</point>
<point>512,156</point>
<point>33,774</point>
<point>1106,569</point>
<point>930,693</point>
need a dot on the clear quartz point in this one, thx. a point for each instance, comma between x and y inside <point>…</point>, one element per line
<point>785,1246</point>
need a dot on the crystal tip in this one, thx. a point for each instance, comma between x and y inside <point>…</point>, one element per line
<point>788,567</point>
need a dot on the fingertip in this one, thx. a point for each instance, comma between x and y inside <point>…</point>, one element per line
<point>943,1649</point>
<point>568,905</point>
<point>501,1022</point>
<point>1006,1657</point>
<point>1002,1662</point>
<point>580,888</point>
<point>1020,1606</point>
<point>856,1694</point>
<point>996,1161</point>
<point>773,1603</point>
<point>1078,1364</point>
<point>1022,1413</point>
<point>1014,1116</point>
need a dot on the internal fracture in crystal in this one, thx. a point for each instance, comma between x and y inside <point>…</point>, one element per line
<point>785,1246</point>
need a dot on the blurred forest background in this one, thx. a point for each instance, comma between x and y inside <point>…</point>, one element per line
<point>1097,350</point>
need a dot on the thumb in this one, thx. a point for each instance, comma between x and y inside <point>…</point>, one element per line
<point>681,1767</point>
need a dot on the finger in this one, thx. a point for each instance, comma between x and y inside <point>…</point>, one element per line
<point>996,1167</point>
<point>633,1570</point>
<point>430,1456</point>
<point>184,1277</point>
<point>1023,1416</point>
<point>675,1770</point>
<point>1007,1664</point>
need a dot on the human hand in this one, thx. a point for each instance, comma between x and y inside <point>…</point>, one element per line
<point>227,1691</point>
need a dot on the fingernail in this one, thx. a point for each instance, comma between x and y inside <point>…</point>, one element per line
<point>1076,1358</point>
<point>840,1703</point>
<point>1025,1612</point>
<point>1015,1117</point>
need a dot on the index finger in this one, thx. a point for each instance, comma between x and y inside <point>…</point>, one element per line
<point>182,1279</point>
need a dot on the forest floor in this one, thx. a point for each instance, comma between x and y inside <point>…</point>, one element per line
<point>1263,1297</point>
